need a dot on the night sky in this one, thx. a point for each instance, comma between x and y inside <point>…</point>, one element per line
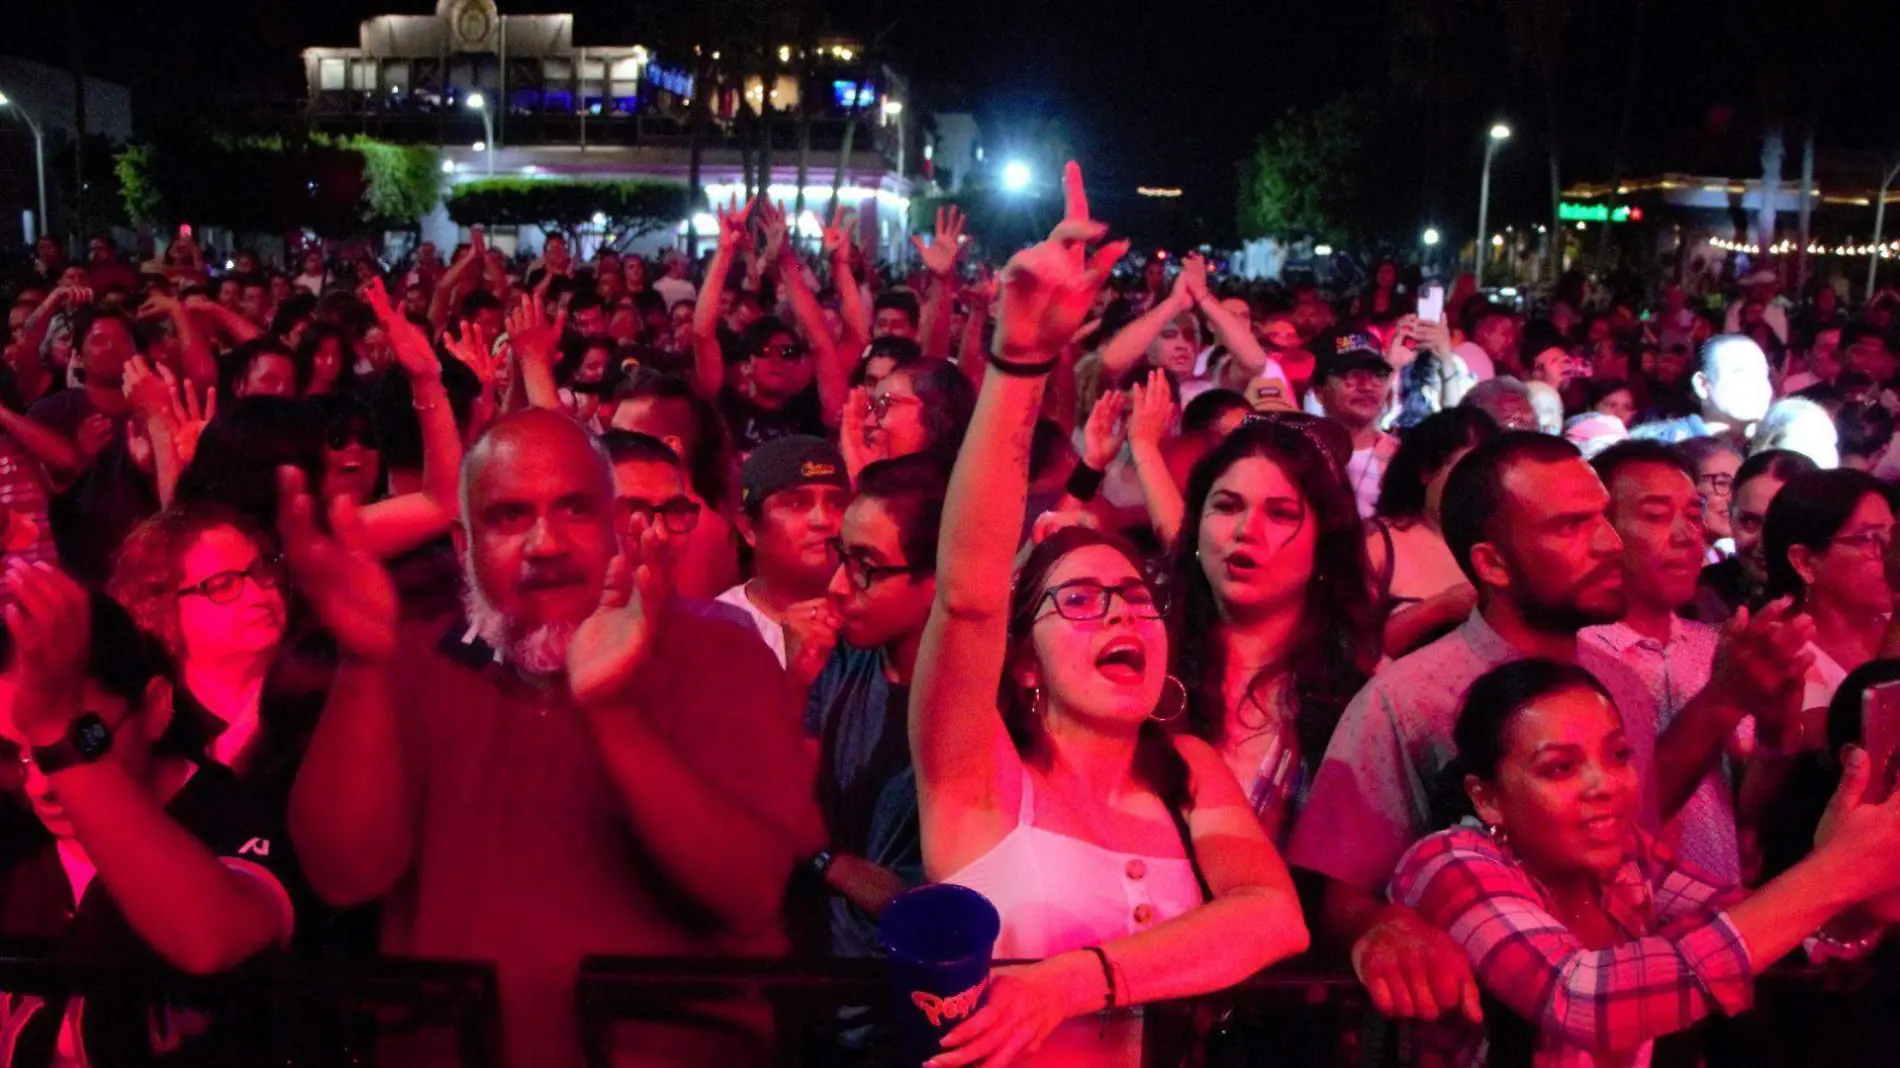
<point>1172,92</point>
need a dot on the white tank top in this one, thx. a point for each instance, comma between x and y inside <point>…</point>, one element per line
<point>1056,893</point>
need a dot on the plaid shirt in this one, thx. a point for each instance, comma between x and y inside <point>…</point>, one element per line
<point>1682,960</point>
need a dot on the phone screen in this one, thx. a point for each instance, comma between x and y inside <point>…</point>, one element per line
<point>1880,733</point>
<point>1431,304</point>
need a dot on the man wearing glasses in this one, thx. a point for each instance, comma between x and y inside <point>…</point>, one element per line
<point>855,710</point>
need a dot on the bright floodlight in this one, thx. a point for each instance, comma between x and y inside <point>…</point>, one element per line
<point>476,101</point>
<point>1431,235</point>
<point>479,146</point>
<point>448,166</point>
<point>1322,250</point>
<point>1015,176</point>
<point>1500,132</point>
<point>4,101</point>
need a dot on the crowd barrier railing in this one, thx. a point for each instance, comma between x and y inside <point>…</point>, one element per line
<point>316,1011</point>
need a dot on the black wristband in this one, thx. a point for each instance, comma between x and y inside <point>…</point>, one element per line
<point>1084,482</point>
<point>1108,977</point>
<point>1024,370</point>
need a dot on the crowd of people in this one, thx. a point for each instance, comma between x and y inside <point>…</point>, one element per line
<point>508,611</point>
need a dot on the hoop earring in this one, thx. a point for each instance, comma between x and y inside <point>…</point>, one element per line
<point>1180,705</point>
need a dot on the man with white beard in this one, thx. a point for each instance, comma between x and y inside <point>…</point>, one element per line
<point>584,764</point>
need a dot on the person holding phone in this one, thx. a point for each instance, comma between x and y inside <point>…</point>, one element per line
<point>1590,939</point>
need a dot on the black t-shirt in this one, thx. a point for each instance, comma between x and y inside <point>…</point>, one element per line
<point>123,1027</point>
<point>94,516</point>
<point>753,426</point>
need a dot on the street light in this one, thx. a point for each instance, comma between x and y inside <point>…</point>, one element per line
<point>1016,176</point>
<point>1431,236</point>
<point>479,103</point>
<point>39,162</point>
<point>1500,133</point>
<point>1880,219</point>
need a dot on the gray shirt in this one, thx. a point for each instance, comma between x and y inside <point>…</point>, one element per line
<point>1373,795</point>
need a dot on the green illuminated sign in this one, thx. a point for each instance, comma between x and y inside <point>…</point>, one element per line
<point>1569,211</point>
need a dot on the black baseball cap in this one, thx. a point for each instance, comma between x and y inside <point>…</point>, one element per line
<point>787,463</point>
<point>1341,351</point>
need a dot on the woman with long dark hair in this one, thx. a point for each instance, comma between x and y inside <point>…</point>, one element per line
<point>1121,855</point>
<point>1277,628</point>
<point>1422,592</point>
<point>1590,939</point>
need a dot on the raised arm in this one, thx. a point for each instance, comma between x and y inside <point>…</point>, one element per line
<point>963,755</point>
<point>1234,332</point>
<point>403,522</point>
<point>199,366</point>
<point>851,309</point>
<point>535,340</point>
<point>833,369</point>
<point>970,346</point>
<point>709,360</point>
<point>226,323</point>
<point>455,280</point>
<point>349,809</point>
<point>198,913</point>
<point>1129,347</point>
<point>1149,420</point>
<point>940,259</point>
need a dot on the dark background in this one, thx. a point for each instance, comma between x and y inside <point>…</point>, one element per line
<point>1173,92</point>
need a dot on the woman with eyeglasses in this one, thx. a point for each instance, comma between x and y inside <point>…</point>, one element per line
<point>921,407</point>
<point>1120,855</point>
<point>1827,541</point>
<point>204,579</point>
<point>1277,626</point>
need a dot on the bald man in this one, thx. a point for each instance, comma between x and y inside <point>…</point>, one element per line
<point>516,812</point>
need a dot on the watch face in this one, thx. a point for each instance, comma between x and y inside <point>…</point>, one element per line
<point>91,736</point>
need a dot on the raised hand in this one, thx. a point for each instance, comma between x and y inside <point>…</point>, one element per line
<point>733,228</point>
<point>535,337</point>
<point>1103,434</point>
<point>475,350</point>
<point>344,582</point>
<point>612,645</point>
<point>851,443</point>
<point>406,339</point>
<point>1863,836</point>
<point>72,297</point>
<point>1401,348</point>
<point>775,228</point>
<point>1192,280</point>
<point>157,306</point>
<point>940,256</point>
<point>1761,666</point>
<point>151,396</point>
<point>838,235</point>
<point>51,623</point>
<point>1151,411</point>
<point>192,410</point>
<point>1049,289</point>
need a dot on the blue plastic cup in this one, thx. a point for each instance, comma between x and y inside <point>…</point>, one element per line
<point>939,938</point>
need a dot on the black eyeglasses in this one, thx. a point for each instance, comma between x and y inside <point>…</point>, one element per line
<point>863,574</point>
<point>1719,485</point>
<point>1082,600</point>
<point>224,587</point>
<point>681,514</point>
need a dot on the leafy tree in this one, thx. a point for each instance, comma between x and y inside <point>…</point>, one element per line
<point>1304,177</point>
<point>633,206</point>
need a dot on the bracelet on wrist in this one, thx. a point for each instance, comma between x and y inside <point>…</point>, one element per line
<point>1024,369</point>
<point>1108,976</point>
<point>1084,482</point>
